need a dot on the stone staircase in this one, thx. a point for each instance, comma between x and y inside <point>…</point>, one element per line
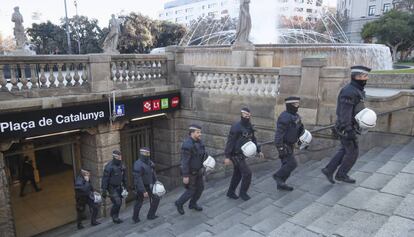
<point>380,204</point>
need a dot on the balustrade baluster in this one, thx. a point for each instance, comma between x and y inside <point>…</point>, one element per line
<point>34,80</point>
<point>3,81</point>
<point>13,79</point>
<point>68,76</point>
<point>76,76</point>
<point>43,78</point>
<point>23,77</point>
<point>85,73</point>
<point>60,77</point>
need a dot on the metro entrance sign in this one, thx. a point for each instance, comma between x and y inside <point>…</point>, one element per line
<point>46,121</point>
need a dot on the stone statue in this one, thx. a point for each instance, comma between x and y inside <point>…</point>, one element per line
<point>244,25</point>
<point>19,34</point>
<point>111,41</point>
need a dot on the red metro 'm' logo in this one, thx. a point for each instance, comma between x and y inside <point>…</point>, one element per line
<point>147,106</point>
<point>175,101</point>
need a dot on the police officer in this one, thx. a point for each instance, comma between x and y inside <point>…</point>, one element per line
<point>113,182</point>
<point>27,174</point>
<point>240,133</point>
<point>350,102</point>
<point>144,179</point>
<point>289,128</point>
<point>193,154</point>
<point>84,193</point>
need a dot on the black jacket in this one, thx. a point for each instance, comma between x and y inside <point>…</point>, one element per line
<point>193,154</point>
<point>114,176</point>
<point>289,128</point>
<point>350,102</point>
<point>238,135</point>
<point>143,174</point>
<point>83,189</point>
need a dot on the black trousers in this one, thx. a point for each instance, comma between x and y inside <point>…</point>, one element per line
<point>154,202</point>
<point>81,204</point>
<point>289,164</point>
<point>344,158</point>
<point>116,199</point>
<point>241,172</point>
<point>193,191</point>
<point>24,182</point>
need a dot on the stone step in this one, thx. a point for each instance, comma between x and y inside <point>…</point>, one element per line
<point>235,230</point>
<point>400,185</point>
<point>268,224</point>
<point>309,214</point>
<point>383,204</point>
<point>357,198</point>
<point>328,223</point>
<point>299,204</point>
<point>405,155</point>
<point>396,227</point>
<point>406,207</point>
<point>362,224</point>
<point>289,229</point>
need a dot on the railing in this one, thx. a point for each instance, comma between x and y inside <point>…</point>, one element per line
<point>311,131</point>
<point>262,82</point>
<point>43,72</point>
<point>136,68</point>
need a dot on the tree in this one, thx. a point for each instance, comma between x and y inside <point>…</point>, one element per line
<point>48,38</point>
<point>90,34</point>
<point>136,34</point>
<point>393,29</point>
<point>168,34</point>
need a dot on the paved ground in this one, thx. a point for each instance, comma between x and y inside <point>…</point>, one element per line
<point>380,204</point>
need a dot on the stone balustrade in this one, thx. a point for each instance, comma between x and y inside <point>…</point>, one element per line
<point>262,82</point>
<point>27,73</point>
<point>135,68</point>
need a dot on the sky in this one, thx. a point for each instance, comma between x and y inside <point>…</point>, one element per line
<point>37,11</point>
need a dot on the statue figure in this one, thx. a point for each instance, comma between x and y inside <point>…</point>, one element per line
<point>111,41</point>
<point>244,25</point>
<point>19,34</point>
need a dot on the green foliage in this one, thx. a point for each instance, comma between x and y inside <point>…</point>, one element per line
<point>395,29</point>
<point>139,34</point>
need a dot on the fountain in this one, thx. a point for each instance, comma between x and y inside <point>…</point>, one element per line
<point>277,45</point>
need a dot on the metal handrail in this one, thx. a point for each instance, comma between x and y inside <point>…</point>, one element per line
<point>311,131</point>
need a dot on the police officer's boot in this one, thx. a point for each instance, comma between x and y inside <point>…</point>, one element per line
<point>232,195</point>
<point>180,208</point>
<point>80,226</point>
<point>328,175</point>
<point>345,178</point>
<point>195,207</point>
<point>281,185</point>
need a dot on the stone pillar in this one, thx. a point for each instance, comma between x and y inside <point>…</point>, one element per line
<point>243,55</point>
<point>96,150</point>
<point>175,56</point>
<point>6,216</point>
<point>309,88</point>
<point>100,73</point>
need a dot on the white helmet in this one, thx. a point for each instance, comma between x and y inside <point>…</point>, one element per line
<point>209,163</point>
<point>158,189</point>
<point>124,193</point>
<point>97,198</point>
<point>305,139</point>
<point>366,119</point>
<point>249,149</point>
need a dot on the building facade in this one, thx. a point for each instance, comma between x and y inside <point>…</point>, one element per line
<point>185,11</point>
<point>358,13</point>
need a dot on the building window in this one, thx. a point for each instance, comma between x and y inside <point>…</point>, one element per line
<point>309,1</point>
<point>371,10</point>
<point>213,5</point>
<point>309,10</point>
<point>160,15</point>
<point>319,3</point>
<point>299,1</point>
<point>387,7</point>
<point>179,12</point>
<point>224,12</point>
<point>299,9</point>
<point>188,10</point>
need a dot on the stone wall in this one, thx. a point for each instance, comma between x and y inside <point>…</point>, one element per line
<point>6,216</point>
<point>395,81</point>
